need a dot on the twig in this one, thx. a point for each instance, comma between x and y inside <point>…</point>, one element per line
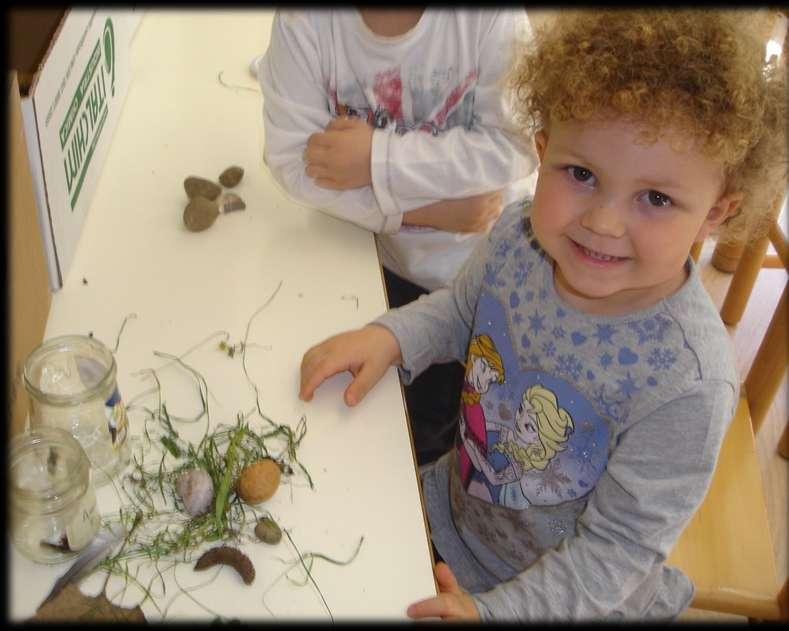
<point>118,339</point>
<point>235,87</point>
<point>309,574</point>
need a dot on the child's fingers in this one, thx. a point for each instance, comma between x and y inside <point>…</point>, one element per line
<point>442,606</point>
<point>446,579</point>
<point>316,154</point>
<point>363,381</point>
<point>317,365</point>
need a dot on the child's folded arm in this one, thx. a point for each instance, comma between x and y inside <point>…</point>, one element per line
<point>295,107</point>
<point>655,480</point>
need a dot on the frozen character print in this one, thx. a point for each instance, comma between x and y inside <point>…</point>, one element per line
<point>483,366</point>
<point>540,432</point>
<point>542,428</point>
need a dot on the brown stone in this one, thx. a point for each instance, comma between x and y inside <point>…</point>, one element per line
<point>200,187</point>
<point>231,176</point>
<point>200,213</point>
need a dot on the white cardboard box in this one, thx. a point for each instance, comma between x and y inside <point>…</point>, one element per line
<point>70,115</point>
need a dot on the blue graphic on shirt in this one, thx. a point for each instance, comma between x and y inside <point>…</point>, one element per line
<point>546,443</point>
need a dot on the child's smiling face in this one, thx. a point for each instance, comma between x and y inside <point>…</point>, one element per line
<point>619,216</point>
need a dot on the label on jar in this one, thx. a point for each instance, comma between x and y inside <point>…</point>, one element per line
<point>117,422</point>
<point>85,522</point>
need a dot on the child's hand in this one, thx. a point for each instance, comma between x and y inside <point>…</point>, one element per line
<point>452,602</point>
<point>467,214</point>
<point>339,157</point>
<point>367,353</point>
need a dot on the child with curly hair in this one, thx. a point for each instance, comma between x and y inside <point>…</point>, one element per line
<point>654,128</point>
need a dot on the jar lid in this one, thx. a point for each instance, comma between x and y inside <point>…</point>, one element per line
<point>47,465</point>
<point>95,380</point>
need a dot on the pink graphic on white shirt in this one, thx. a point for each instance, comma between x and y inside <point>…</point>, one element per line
<point>388,91</point>
<point>455,96</point>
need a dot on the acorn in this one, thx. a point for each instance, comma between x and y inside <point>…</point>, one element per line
<point>258,481</point>
<point>200,187</point>
<point>200,213</point>
<point>231,176</point>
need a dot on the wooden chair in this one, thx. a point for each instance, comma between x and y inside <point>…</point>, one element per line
<point>726,548</point>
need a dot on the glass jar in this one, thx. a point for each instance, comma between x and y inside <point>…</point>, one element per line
<point>71,384</point>
<point>53,504</point>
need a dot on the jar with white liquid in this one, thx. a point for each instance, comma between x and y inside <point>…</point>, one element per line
<point>71,385</point>
<point>53,504</point>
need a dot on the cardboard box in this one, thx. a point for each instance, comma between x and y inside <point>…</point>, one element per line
<point>70,114</point>
<point>28,281</point>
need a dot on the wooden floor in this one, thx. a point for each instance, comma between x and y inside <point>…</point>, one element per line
<point>746,336</point>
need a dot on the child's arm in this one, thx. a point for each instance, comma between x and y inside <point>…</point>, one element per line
<point>295,106</point>
<point>408,169</point>
<point>432,329</point>
<point>654,481</point>
<point>339,159</point>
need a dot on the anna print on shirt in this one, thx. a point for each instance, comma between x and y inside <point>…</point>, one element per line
<point>543,442</point>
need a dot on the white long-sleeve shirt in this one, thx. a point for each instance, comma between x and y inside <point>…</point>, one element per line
<point>435,98</point>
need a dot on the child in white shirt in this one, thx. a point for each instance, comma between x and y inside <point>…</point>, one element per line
<point>396,121</point>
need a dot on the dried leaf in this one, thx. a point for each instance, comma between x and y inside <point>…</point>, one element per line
<point>72,604</point>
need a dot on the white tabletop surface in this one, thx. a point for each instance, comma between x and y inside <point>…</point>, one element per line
<point>136,257</point>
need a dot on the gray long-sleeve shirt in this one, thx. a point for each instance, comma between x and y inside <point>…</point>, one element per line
<point>585,442</point>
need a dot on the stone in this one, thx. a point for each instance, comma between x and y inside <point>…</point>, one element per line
<point>268,531</point>
<point>200,187</point>
<point>230,202</point>
<point>231,176</point>
<point>200,213</point>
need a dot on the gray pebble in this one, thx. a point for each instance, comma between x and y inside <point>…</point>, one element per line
<point>268,531</point>
<point>230,202</point>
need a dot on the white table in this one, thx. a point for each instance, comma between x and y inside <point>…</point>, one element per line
<point>137,257</point>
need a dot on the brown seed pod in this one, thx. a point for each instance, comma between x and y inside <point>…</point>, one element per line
<point>200,187</point>
<point>231,176</point>
<point>268,531</point>
<point>226,555</point>
<point>258,481</point>
<point>200,214</point>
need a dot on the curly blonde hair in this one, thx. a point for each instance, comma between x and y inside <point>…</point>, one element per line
<point>700,73</point>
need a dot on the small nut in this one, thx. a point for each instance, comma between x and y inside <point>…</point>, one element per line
<point>268,531</point>
<point>258,481</point>
<point>200,187</point>
<point>200,214</point>
<point>231,176</point>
